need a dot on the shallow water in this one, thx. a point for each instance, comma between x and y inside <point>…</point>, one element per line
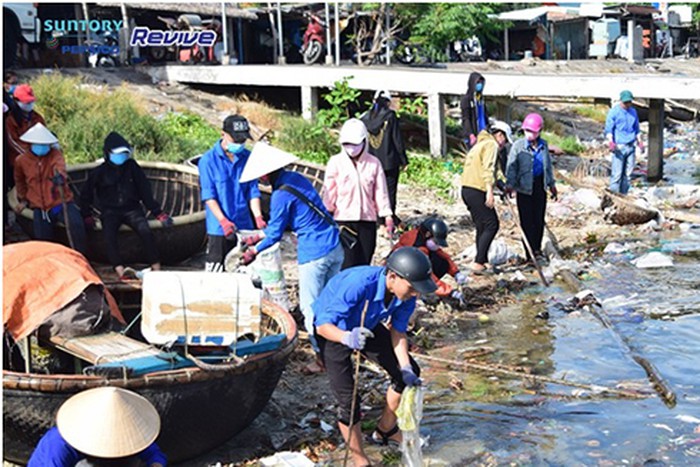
<point>501,422</point>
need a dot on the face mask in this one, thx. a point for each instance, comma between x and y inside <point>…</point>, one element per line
<point>118,158</point>
<point>353,150</point>
<point>11,90</point>
<point>26,107</point>
<point>41,149</point>
<point>479,87</point>
<point>531,136</point>
<point>432,246</point>
<point>235,148</point>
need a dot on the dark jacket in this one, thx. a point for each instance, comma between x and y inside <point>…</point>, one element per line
<point>121,187</point>
<point>470,122</point>
<point>385,140</point>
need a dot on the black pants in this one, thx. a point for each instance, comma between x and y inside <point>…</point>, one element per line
<point>361,254</point>
<point>439,264</point>
<point>340,367</point>
<point>112,219</point>
<point>217,249</point>
<point>484,218</point>
<point>392,185</point>
<point>531,209</point>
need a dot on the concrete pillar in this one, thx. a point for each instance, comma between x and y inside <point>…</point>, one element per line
<point>281,58</point>
<point>309,102</point>
<point>655,161</point>
<point>436,125</point>
<point>329,56</point>
<point>507,44</point>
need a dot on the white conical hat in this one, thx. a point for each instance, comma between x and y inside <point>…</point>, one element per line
<point>263,160</point>
<point>38,134</point>
<point>108,422</point>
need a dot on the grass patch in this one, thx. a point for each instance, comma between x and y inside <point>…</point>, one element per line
<point>430,172</point>
<point>568,144</point>
<point>306,140</point>
<point>597,113</point>
<point>82,118</point>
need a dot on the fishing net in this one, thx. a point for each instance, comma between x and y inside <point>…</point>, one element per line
<point>409,415</point>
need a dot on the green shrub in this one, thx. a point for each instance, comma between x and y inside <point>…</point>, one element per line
<point>431,172</point>
<point>568,144</point>
<point>307,140</point>
<point>595,112</point>
<point>82,118</point>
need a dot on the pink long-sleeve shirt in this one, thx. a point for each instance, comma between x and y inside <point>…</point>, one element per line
<point>356,191</point>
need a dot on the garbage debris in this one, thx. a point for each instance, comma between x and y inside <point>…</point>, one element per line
<point>587,197</point>
<point>499,253</point>
<point>409,415</point>
<point>654,259</point>
<point>287,459</point>
<point>615,249</point>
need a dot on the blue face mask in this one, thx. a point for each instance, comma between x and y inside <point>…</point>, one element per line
<point>26,107</point>
<point>12,89</point>
<point>235,148</point>
<point>41,149</point>
<point>118,158</point>
<point>479,87</point>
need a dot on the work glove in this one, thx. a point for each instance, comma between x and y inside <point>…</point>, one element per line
<point>229,229</point>
<point>457,295</point>
<point>472,140</point>
<point>58,180</point>
<point>389,223</point>
<point>251,240</point>
<point>461,278</point>
<point>640,144</point>
<point>248,256</point>
<point>357,338</point>
<point>612,146</point>
<point>165,219</point>
<point>89,222</point>
<point>260,222</point>
<point>553,191</point>
<point>409,377</point>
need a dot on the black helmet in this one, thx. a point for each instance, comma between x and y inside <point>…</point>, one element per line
<point>413,265</point>
<point>438,228</point>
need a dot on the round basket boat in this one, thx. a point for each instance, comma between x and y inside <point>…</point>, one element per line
<point>174,186</point>
<point>199,409</point>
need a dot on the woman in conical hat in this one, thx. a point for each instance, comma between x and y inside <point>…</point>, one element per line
<point>102,427</point>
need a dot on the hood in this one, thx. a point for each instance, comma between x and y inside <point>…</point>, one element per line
<point>484,136</point>
<point>375,118</point>
<point>113,141</point>
<point>473,79</point>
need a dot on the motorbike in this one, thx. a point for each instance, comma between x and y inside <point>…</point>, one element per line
<point>467,50</point>
<point>314,41</point>
<point>104,52</point>
<point>187,55</point>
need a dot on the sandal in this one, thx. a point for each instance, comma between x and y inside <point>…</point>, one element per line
<point>383,438</point>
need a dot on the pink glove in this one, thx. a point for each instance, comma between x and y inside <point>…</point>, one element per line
<point>248,256</point>
<point>612,145</point>
<point>229,228</point>
<point>472,140</point>
<point>165,219</point>
<point>260,222</point>
<point>252,240</point>
<point>641,145</point>
<point>389,223</point>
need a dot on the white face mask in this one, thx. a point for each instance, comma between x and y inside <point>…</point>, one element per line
<point>432,246</point>
<point>531,136</point>
<point>353,150</point>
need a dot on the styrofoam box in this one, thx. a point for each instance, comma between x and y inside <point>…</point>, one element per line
<point>200,308</point>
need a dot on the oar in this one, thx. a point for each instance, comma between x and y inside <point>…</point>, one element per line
<point>358,356</point>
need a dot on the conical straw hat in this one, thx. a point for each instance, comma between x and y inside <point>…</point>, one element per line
<point>108,422</point>
<point>38,134</point>
<point>263,160</point>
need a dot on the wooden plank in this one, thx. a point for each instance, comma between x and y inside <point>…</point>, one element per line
<point>101,348</point>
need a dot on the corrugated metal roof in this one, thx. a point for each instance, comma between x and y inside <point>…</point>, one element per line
<point>212,9</point>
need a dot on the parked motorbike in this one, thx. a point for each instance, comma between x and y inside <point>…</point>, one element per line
<point>104,52</point>
<point>186,55</point>
<point>467,50</point>
<point>314,41</point>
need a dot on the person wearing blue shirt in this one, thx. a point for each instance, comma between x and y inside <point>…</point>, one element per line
<point>367,309</point>
<point>529,173</point>
<point>622,132</point>
<point>105,426</point>
<point>225,197</point>
<point>319,252</point>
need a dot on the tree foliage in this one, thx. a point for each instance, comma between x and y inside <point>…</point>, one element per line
<point>436,25</point>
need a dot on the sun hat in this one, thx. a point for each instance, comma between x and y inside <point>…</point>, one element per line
<point>499,125</point>
<point>263,160</point>
<point>108,422</point>
<point>353,131</point>
<point>38,134</point>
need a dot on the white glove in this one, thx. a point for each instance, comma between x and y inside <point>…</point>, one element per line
<point>461,278</point>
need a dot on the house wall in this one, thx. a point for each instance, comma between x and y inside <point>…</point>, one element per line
<point>575,32</point>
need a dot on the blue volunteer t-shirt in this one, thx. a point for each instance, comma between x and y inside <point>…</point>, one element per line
<point>342,300</point>
<point>219,179</point>
<point>623,124</point>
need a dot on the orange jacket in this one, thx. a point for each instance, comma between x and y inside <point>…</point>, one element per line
<point>40,278</point>
<point>414,238</point>
<point>14,130</point>
<point>33,179</point>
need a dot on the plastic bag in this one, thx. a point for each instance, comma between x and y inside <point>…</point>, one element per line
<point>268,266</point>
<point>410,413</point>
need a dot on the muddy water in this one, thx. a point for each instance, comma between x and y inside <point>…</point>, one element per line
<point>499,422</point>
